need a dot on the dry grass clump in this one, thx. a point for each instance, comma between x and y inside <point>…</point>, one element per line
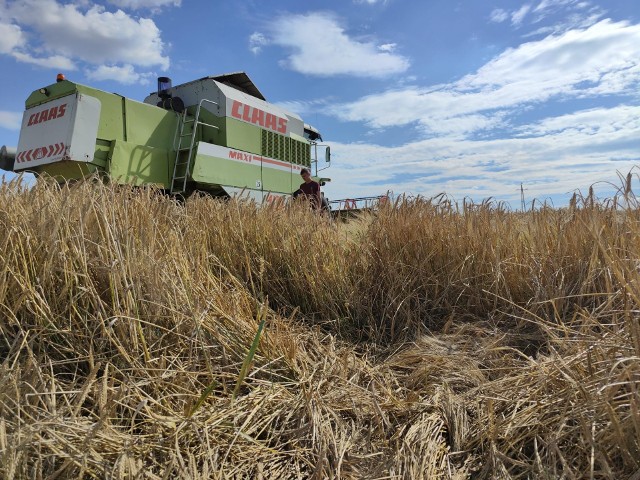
<point>426,258</point>
<point>143,338</point>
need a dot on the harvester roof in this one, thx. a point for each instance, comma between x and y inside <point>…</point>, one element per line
<point>240,81</point>
<point>237,80</point>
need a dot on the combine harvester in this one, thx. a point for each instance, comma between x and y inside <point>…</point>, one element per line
<point>216,134</point>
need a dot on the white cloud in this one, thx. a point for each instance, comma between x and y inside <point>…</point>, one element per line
<point>558,156</point>
<point>603,59</point>
<point>125,74</point>
<point>518,16</point>
<point>59,62</point>
<point>13,42</point>
<point>572,14</point>
<point>387,47</point>
<point>551,156</point>
<point>11,37</point>
<point>499,15</point>
<point>552,5</point>
<point>305,108</point>
<point>256,41</point>
<point>557,64</point>
<point>614,122</point>
<point>10,120</point>
<point>62,34</point>
<point>569,22</point>
<point>322,47</point>
<point>148,4</point>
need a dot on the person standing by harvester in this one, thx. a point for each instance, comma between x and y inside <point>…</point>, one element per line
<point>311,189</point>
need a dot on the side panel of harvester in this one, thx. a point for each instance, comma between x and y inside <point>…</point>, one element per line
<point>144,155</point>
<point>70,131</point>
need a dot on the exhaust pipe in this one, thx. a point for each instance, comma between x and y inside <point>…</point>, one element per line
<point>7,158</point>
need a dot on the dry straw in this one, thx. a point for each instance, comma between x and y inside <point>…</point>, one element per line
<point>145,338</point>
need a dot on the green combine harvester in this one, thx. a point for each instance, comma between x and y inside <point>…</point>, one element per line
<point>216,134</point>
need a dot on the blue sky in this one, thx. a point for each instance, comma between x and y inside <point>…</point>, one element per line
<point>469,98</point>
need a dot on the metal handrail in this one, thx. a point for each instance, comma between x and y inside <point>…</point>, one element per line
<point>352,203</point>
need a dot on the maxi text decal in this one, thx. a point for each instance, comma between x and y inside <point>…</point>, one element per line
<point>239,156</point>
<point>218,151</point>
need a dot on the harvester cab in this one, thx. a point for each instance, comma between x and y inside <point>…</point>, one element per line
<point>217,134</point>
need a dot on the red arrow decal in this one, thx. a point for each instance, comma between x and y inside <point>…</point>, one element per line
<point>40,152</point>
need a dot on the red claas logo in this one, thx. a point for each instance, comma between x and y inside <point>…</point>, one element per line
<point>258,117</point>
<point>48,114</point>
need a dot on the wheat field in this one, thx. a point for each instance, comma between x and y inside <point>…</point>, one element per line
<point>145,338</point>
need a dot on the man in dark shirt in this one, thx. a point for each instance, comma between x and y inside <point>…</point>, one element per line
<point>311,189</point>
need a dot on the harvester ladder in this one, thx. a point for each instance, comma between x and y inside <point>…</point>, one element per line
<point>182,165</point>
